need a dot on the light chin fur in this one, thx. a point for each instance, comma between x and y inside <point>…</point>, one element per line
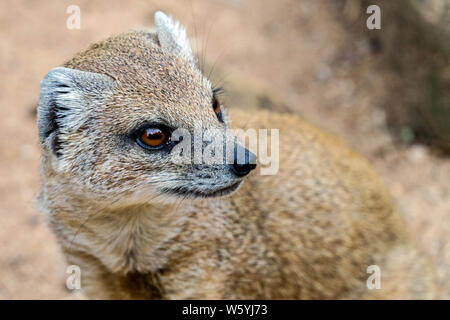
<point>193,193</point>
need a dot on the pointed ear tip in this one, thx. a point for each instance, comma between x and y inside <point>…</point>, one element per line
<point>160,16</point>
<point>57,71</point>
<point>54,73</point>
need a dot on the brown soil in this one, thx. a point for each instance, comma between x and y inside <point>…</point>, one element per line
<point>294,56</point>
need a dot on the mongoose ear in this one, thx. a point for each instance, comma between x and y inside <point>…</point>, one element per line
<point>64,99</point>
<point>172,36</point>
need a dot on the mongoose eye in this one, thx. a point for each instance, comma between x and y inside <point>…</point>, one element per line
<point>217,108</point>
<point>153,137</point>
<point>216,105</point>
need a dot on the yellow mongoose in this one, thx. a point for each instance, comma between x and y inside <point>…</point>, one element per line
<point>142,226</point>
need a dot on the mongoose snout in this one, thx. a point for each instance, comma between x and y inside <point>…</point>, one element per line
<point>244,161</point>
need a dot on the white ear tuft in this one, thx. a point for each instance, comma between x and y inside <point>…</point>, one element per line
<point>172,36</point>
<point>64,99</point>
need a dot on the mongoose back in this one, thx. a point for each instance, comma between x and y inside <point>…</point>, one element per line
<point>141,226</point>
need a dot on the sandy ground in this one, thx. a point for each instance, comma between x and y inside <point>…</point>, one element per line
<point>295,56</point>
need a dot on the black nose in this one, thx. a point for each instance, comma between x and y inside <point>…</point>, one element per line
<point>244,161</point>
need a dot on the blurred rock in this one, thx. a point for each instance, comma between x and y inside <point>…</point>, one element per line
<point>417,153</point>
<point>433,16</point>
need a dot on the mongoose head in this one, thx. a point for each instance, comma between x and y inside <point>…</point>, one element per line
<point>109,120</point>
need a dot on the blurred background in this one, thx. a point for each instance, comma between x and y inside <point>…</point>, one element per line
<point>385,92</point>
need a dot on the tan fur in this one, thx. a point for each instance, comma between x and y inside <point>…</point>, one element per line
<point>308,232</point>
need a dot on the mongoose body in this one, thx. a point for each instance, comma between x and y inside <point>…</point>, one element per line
<point>140,226</point>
